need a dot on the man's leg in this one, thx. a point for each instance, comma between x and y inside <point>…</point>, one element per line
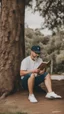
<point>48,84</point>
<point>47,80</point>
<point>31,81</point>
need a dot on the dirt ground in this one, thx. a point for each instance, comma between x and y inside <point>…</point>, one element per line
<point>18,102</point>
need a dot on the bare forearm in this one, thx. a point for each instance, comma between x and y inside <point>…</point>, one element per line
<point>23,72</point>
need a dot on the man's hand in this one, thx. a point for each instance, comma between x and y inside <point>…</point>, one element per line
<point>36,71</point>
<point>42,71</point>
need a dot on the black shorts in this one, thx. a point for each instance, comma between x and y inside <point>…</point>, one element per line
<point>38,80</point>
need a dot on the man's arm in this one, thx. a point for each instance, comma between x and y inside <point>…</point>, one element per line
<point>24,72</point>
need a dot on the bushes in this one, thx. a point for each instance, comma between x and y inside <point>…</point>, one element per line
<point>52,47</point>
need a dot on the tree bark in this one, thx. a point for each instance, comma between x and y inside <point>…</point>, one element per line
<point>12,46</point>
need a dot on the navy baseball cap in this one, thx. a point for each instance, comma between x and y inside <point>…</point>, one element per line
<point>36,49</point>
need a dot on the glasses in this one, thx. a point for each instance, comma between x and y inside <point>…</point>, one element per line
<point>38,55</point>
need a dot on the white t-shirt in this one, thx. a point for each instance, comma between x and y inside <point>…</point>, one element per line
<point>29,64</point>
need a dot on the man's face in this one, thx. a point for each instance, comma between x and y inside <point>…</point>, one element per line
<point>34,55</point>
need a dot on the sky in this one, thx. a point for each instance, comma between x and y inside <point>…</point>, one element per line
<point>33,20</point>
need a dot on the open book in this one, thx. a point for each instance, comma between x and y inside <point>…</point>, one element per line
<point>44,65</point>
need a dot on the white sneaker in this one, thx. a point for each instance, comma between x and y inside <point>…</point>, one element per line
<point>32,98</point>
<point>52,95</point>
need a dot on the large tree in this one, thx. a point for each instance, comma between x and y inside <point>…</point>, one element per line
<point>12,43</point>
<point>12,46</point>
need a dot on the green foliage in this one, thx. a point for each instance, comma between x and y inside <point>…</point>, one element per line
<point>51,46</point>
<point>53,11</point>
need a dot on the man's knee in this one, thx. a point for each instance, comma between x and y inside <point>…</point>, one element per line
<point>47,76</point>
<point>32,77</point>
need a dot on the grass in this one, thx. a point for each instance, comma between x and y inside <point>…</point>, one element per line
<point>13,113</point>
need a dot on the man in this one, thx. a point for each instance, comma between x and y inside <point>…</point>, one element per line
<point>31,76</point>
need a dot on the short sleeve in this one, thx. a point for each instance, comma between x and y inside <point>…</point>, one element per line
<point>23,65</point>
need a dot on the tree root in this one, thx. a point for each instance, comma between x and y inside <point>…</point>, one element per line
<point>4,95</point>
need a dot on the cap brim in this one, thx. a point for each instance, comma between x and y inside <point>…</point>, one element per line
<point>38,52</point>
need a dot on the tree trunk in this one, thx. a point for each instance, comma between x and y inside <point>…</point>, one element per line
<point>12,47</point>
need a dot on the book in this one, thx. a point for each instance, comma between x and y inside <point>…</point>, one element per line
<point>44,65</point>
